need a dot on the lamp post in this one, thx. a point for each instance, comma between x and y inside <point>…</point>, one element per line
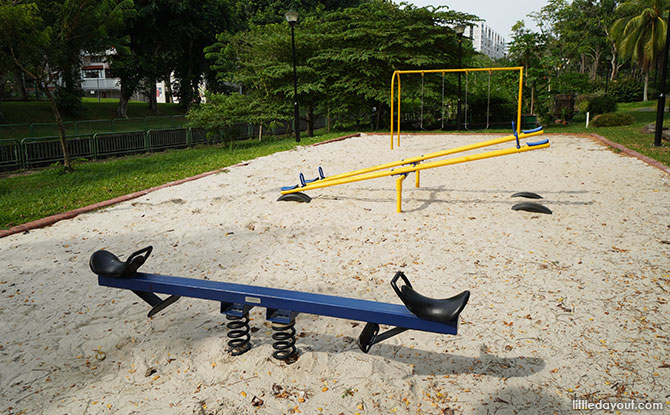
<point>658,135</point>
<point>292,18</point>
<point>459,29</point>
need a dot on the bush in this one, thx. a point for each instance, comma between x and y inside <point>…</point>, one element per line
<point>601,105</point>
<point>573,82</point>
<point>499,108</point>
<point>626,90</point>
<point>582,101</point>
<point>612,119</point>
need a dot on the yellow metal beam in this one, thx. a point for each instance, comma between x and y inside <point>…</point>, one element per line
<point>436,154</point>
<point>510,68</point>
<point>408,169</point>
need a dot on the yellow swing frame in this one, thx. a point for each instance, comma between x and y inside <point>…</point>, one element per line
<point>403,167</point>
<point>397,74</point>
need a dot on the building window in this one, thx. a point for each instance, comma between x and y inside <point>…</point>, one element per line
<point>91,73</point>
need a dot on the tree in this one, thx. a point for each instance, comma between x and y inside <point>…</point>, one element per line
<point>345,58</point>
<point>223,111</point>
<point>38,35</point>
<point>360,48</point>
<point>165,37</point>
<point>640,32</point>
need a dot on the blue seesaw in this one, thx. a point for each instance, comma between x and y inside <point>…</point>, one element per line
<point>282,306</point>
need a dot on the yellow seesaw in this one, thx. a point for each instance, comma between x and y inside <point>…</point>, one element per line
<point>295,193</point>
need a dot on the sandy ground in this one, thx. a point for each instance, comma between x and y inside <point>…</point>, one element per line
<point>567,306</point>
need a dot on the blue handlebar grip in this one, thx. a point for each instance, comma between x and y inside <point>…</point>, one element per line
<point>534,130</point>
<point>283,189</point>
<point>538,143</point>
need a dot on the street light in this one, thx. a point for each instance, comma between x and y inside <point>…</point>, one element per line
<point>459,29</point>
<point>292,18</point>
<point>658,134</point>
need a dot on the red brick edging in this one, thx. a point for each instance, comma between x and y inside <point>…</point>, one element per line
<point>50,220</point>
<point>332,140</point>
<point>629,152</point>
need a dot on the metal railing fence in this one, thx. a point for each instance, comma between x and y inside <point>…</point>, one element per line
<point>42,151</point>
<point>20,131</point>
<point>33,152</point>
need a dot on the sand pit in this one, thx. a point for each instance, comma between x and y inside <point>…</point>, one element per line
<point>567,306</point>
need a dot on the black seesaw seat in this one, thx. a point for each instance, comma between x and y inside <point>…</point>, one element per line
<point>282,306</point>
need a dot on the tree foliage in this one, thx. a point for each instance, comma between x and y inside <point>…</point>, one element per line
<point>45,40</point>
<point>640,32</point>
<point>345,58</point>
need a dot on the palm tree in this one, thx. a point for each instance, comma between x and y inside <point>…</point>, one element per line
<point>640,33</point>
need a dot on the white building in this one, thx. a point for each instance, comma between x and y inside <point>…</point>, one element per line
<point>98,80</point>
<point>485,40</point>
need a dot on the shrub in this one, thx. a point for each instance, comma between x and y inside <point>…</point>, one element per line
<point>601,105</point>
<point>573,82</point>
<point>626,90</point>
<point>499,108</point>
<point>612,119</point>
<point>582,101</point>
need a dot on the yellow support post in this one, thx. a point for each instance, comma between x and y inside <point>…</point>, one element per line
<point>518,115</point>
<point>418,173</point>
<point>398,110</point>
<point>398,193</point>
<point>392,119</point>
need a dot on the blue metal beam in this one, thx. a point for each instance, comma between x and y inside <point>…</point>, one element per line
<point>278,299</point>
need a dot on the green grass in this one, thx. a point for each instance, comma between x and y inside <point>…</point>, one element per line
<point>27,197</point>
<point>27,112</point>
<point>18,113</point>
<point>632,106</point>
<point>627,135</point>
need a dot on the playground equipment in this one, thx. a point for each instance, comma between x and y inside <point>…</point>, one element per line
<point>403,167</point>
<point>530,206</point>
<point>282,306</point>
<point>466,71</point>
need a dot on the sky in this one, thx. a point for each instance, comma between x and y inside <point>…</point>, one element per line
<point>500,15</point>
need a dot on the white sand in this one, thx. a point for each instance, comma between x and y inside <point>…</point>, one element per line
<point>567,306</point>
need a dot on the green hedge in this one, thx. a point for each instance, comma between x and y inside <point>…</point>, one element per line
<point>601,105</point>
<point>612,119</point>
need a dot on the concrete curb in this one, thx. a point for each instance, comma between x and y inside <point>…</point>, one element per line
<point>50,220</point>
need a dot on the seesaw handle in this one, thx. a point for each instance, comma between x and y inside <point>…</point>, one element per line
<point>394,282</point>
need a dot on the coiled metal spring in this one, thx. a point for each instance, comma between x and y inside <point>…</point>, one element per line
<point>238,333</point>
<point>284,337</point>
